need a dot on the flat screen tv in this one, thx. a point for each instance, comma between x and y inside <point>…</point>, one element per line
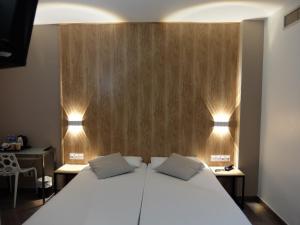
<point>16,22</point>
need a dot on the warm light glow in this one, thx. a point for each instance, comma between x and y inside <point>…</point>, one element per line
<point>75,116</point>
<point>59,13</point>
<point>75,130</point>
<point>221,117</point>
<point>221,130</point>
<point>225,11</point>
<point>221,126</point>
<point>75,123</point>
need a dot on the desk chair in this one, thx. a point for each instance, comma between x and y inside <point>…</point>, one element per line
<point>9,166</point>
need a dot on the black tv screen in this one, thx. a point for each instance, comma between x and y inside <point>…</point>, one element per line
<point>16,22</point>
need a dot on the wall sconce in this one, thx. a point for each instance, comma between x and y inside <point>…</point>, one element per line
<point>221,124</point>
<point>221,127</point>
<point>75,126</point>
<point>75,123</point>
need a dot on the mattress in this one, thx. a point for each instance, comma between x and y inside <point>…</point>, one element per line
<point>201,200</point>
<point>87,200</point>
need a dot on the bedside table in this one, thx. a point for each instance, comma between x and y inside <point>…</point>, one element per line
<point>69,171</point>
<point>233,175</point>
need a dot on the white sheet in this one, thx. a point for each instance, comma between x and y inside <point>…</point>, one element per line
<point>89,201</point>
<point>202,200</point>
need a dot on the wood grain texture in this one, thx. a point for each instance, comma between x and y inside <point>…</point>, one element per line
<point>150,89</point>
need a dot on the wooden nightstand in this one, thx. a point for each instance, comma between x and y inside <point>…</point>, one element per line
<point>233,175</point>
<point>69,171</point>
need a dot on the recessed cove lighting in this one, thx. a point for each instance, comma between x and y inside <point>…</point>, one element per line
<point>60,13</point>
<point>223,11</point>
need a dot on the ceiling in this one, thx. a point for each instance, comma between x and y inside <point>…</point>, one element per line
<point>111,11</point>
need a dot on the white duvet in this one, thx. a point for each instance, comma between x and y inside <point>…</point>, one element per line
<point>143,197</point>
<point>89,201</point>
<point>201,200</point>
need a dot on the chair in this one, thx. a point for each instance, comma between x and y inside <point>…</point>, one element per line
<point>9,166</point>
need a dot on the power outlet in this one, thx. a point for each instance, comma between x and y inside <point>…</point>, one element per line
<point>220,158</point>
<point>76,156</point>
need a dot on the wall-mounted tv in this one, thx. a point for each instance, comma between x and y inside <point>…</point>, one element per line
<point>16,22</point>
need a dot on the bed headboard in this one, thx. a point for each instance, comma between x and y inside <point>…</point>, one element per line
<point>149,89</point>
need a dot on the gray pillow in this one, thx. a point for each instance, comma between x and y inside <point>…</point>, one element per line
<point>180,167</point>
<point>110,165</point>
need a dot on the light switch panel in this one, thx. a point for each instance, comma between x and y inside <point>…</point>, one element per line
<point>220,158</point>
<point>76,156</point>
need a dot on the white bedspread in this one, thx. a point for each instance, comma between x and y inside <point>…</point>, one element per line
<point>89,201</point>
<point>202,200</point>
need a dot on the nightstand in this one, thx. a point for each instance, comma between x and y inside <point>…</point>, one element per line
<point>69,171</point>
<point>232,175</point>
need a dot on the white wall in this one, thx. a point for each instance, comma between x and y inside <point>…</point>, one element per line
<point>30,95</point>
<point>103,11</point>
<point>252,40</point>
<point>279,172</point>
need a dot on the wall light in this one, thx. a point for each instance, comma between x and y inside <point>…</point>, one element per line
<point>221,128</point>
<point>221,123</point>
<point>75,126</point>
<point>75,116</point>
<point>75,123</point>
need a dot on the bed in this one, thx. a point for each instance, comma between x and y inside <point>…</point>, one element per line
<point>201,200</point>
<point>87,200</point>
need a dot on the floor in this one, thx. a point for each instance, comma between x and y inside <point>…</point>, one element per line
<point>260,214</point>
<point>28,202</point>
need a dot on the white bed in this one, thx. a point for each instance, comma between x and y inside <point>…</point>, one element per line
<point>89,201</point>
<point>201,200</point>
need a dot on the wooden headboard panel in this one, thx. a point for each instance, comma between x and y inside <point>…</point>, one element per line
<point>149,89</point>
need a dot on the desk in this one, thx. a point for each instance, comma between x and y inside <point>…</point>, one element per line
<point>39,153</point>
